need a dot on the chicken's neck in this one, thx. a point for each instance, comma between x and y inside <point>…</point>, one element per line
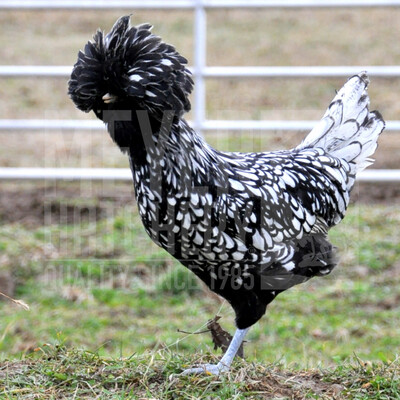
<point>166,155</point>
<point>175,154</point>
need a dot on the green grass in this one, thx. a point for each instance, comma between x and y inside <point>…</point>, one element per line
<point>102,296</point>
<point>129,296</point>
<point>59,372</point>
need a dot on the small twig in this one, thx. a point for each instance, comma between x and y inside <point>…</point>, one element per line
<point>20,303</point>
<point>192,333</point>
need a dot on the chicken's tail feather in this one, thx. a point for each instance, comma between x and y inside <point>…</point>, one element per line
<point>348,130</point>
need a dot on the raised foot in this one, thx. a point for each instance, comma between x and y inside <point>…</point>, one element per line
<point>209,369</point>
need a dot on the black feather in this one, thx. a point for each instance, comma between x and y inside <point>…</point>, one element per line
<point>134,65</point>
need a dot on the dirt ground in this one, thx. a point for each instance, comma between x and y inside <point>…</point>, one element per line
<point>36,206</point>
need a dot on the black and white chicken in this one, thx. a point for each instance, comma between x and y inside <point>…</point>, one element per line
<point>250,225</point>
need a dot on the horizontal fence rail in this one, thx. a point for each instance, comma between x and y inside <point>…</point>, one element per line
<point>46,125</point>
<point>384,71</point>
<point>125,174</point>
<point>68,174</point>
<point>200,71</point>
<point>189,4</point>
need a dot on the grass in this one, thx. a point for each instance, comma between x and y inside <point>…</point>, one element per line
<point>122,312</point>
<point>58,372</point>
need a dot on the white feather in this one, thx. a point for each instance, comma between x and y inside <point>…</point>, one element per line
<point>348,130</point>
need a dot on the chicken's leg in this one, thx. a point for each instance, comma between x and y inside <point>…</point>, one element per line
<point>225,361</point>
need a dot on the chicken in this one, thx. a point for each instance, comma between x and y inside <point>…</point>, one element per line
<point>249,225</point>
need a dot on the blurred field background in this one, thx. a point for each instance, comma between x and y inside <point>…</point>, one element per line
<point>77,254</point>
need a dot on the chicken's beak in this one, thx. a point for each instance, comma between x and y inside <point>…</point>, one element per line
<point>109,98</point>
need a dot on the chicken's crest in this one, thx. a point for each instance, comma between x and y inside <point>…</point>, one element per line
<point>134,67</point>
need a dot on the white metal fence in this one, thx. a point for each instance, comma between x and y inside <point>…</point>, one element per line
<point>200,71</point>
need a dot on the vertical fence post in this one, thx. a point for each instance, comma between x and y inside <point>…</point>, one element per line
<point>200,48</point>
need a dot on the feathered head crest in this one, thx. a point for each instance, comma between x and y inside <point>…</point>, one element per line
<point>135,66</point>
